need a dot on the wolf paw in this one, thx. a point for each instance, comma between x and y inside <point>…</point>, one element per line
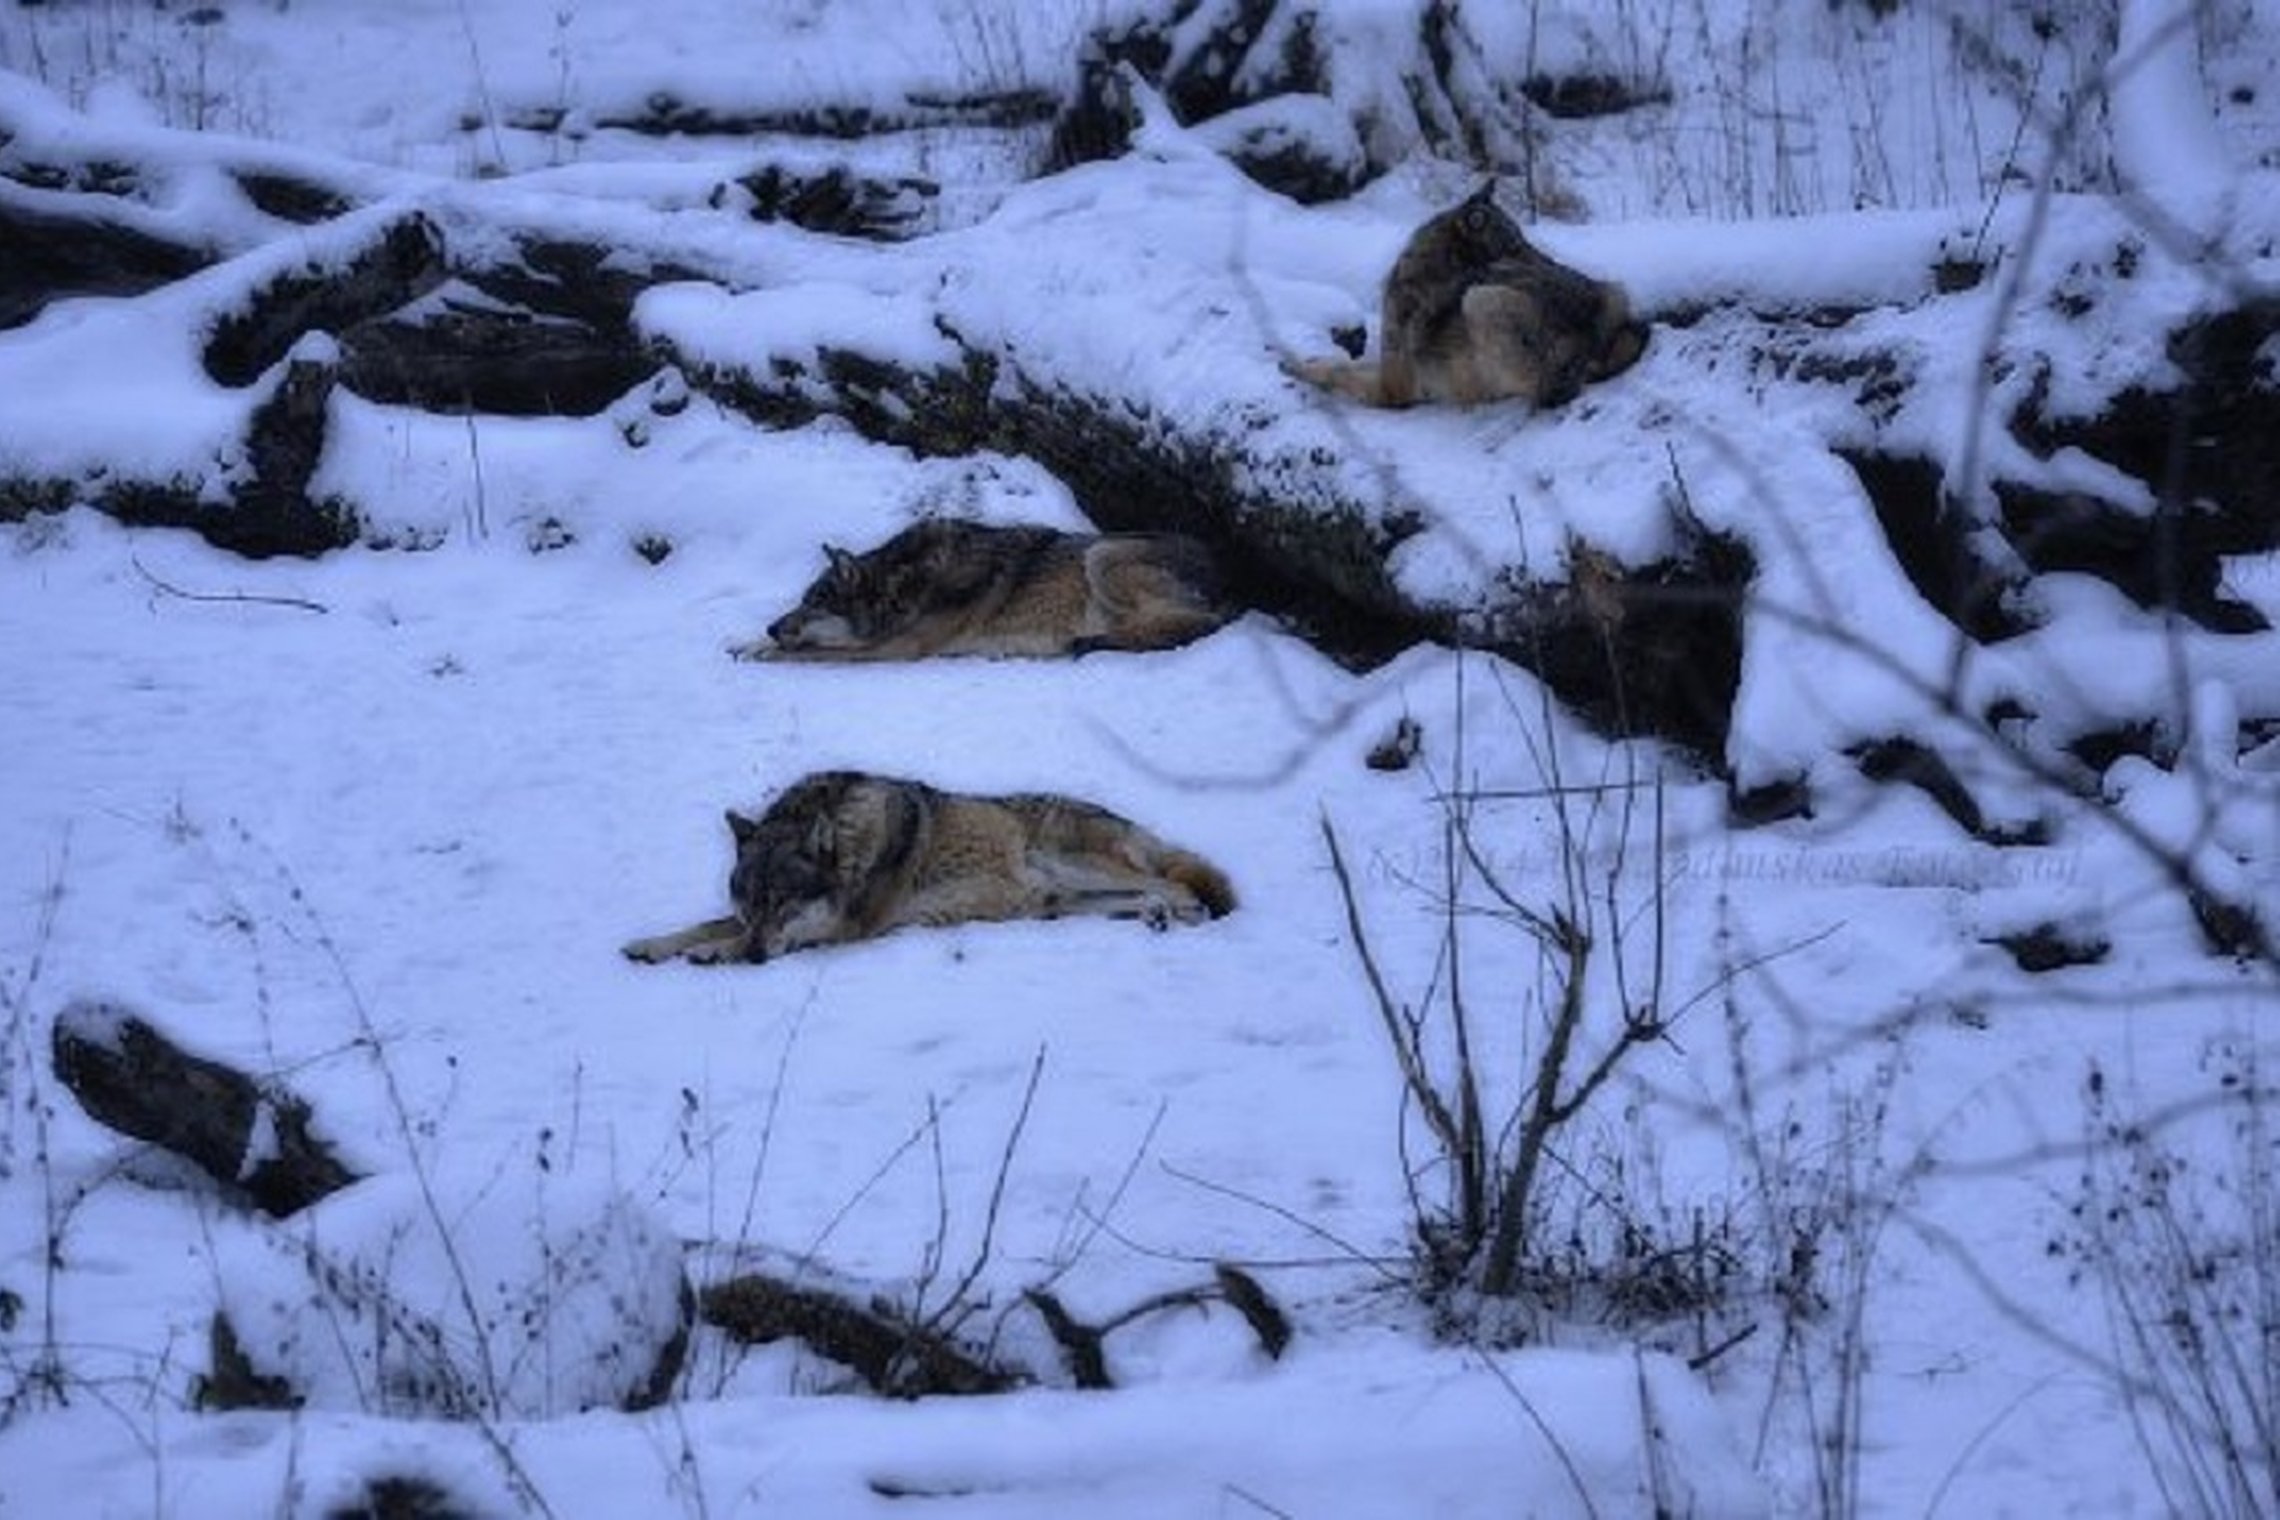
<point>1163,912</point>
<point>718,953</point>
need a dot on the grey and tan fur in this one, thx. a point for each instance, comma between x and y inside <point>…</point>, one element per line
<point>1474,312</point>
<point>844,856</point>
<point>947,587</point>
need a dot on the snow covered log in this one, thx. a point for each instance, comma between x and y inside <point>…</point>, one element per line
<point>666,114</point>
<point>458,1293</point>
<point>397,263</point>
<point>2208,445</point>
<point>385,308</point>
<point>260,506</point>
<point>463,1294</point>
<point>442,1295</point>
<point>833,198</point>
<point>525,325</point>
<point>46,146</point>
<point>521,325</point>
<point>62,245</point>
<point>540,329</point>
<point>1663,550</point>
<point>1322,568</point>
<point>1650,649</point>
<point>252,1137</point>
<point>1313,100</point>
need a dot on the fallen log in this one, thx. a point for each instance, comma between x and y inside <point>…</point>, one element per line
<point>836,199</point>
<point>891,1354</point>
<point>1649,649</point>
<point>254,1138</point>
<point>455,1310</point>
<point>62,245</point>
<point>403,262</point>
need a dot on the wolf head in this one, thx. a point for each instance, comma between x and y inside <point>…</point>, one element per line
<point>1475,232</point>
<point>933,564</point>
<point>839,611</point>
<point>786,879</point>
<point>818,866</point>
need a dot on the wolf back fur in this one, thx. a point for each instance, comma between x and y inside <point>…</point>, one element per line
<point>1474,312</point>
<point>948,587</point>
<point>844,856</point>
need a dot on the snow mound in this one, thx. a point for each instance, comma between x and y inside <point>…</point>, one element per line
<point>468,1295</point>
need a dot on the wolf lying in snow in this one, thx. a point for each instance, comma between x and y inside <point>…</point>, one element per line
<point>1474,312</point>
<point>844,856</point>
<point>946,587</point>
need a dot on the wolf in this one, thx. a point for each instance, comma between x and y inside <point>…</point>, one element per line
<point>1474,312</point>
<point>949,587</point>
<point>846,855</point>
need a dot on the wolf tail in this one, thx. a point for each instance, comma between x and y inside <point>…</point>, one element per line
<point>1209,884</point>
<point>1355,378</point>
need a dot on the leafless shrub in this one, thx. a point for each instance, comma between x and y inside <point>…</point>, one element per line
<point>2176,1226</point>
<point>1528,1205</point>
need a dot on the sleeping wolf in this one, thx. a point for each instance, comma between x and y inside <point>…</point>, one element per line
<point>948,587</point>
<point>1474,312</point>
<point>845,856</point>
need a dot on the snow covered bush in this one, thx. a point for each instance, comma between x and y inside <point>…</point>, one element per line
<point>467,1295</point>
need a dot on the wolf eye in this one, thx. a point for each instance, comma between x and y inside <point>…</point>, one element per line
<point>1476,218</point>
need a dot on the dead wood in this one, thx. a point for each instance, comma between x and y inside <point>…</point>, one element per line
<point>886,1350</point>
<point>254,1138</point>
<point>61,246</point>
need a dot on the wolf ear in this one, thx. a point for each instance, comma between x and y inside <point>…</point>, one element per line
<point>1478,212</point>
<point>742,827</point>
<point>840,560</point>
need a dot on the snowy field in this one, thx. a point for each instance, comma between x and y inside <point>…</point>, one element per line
<point>378,821</point>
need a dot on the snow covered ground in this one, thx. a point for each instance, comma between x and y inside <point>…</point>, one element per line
<point>380,821</point>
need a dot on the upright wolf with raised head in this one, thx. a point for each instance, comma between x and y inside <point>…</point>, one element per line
<point>844,856</point>
<point>1474,312</point>
<point>948,587</point>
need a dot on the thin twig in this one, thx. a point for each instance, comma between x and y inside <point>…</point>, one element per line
<point>1237,1491</point>
<point>244,598</point>
<point>1544,1429</point>
<point>1348,1251</point>
<point>1407,1052</point>
<point>956,1306</point>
